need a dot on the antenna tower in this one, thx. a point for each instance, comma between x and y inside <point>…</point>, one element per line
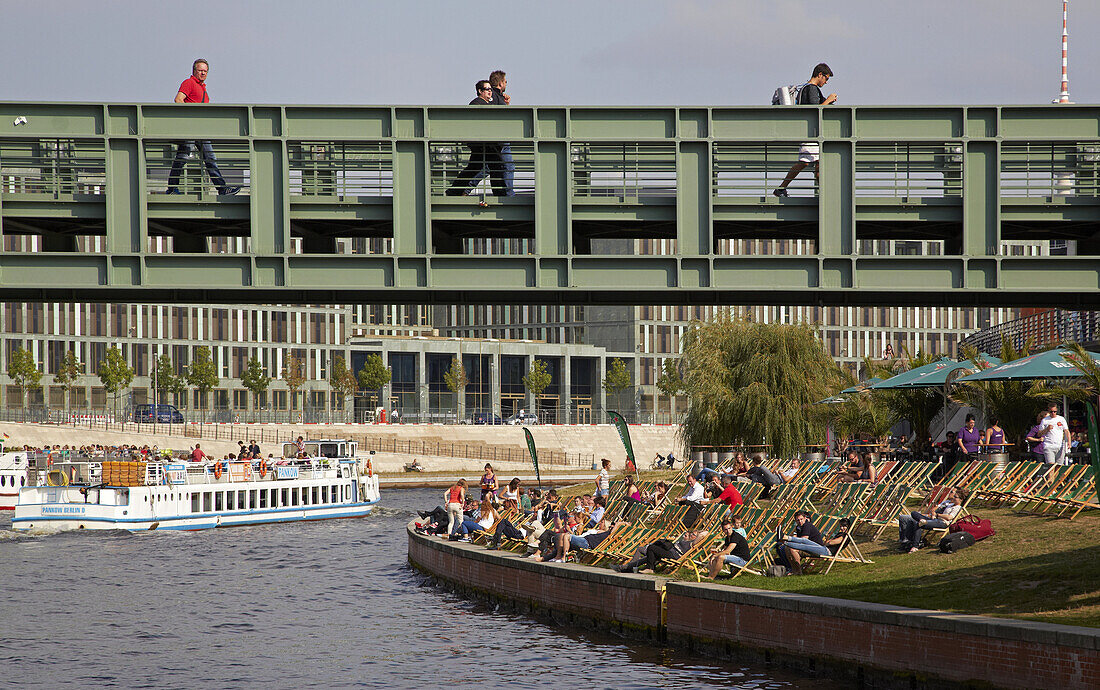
<point>1064,96</point>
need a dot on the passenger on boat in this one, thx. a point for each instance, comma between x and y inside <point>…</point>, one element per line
<point>197,455</point>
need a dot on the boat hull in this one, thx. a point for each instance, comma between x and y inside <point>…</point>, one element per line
<point>61,517</point>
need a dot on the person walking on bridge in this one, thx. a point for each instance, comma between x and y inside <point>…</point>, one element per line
<point>809,94</point>
<point>480,154</point>
<point>193,90</point>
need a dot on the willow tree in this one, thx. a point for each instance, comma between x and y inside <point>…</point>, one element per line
<point>754,383</point>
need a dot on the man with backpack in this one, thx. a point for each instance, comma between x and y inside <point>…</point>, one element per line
<point>809,94</point>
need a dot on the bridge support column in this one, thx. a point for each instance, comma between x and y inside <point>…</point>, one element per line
<point>553,217</point>
<point>270,212</point>
<point>836,234</point>
<point>125,211</point>
<point>411,207</point>
<point>981,214</point>
<point>693,212</point>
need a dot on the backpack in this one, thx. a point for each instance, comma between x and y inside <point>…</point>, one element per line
<point>956,542</point>
<point>787,95</point>
<point>974,526</point>
<point>776,570</point>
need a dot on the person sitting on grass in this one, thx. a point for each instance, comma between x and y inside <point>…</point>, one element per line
<point>807,539</point>
<point>661,549</point>
<point>911,527</point>
<point>733,551</point>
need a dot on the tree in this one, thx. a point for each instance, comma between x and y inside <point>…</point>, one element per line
<point>918,405</point>
<point>342,380</point>
<point>374,375</point>
<point>1015,404</point>
<point>255,379</point>
<point>115,374</point>
<point>24,373</point>
<point>754,383</point>
<point>537,379</point>
<point>203,374</point>
<point>670,382</point>
<point>68,374</point>
<point>167,381</point>
<point>456,381</point>
<point>617,379</point>
<point>294,374</point>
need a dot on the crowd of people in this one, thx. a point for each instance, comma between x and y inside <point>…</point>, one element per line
<point>552,527</point>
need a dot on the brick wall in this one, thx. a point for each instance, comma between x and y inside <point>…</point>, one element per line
<point>886,646</point>
<point>926,644</point>
<point>623,602</point>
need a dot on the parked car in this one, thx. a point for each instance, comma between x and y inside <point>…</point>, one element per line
<point>165,414</point>
<point>487,418</point>
<point>522,419</point>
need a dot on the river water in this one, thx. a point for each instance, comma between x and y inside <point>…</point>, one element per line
<point>328,604</point>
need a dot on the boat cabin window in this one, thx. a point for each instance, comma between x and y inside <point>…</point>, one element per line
<point>314,495</point>
<point>263,498</point>
<point>207,502</point>
<point>332,450</point>
<point>219,501</point>
<point>252,499</point>
<point>195,507</point>
<point>284,500</point>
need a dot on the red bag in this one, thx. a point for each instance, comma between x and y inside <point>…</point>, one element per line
<point>975,526</point>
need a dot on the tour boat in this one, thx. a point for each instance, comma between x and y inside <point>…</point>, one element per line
<point>327,480</point>
<point>13,474</point>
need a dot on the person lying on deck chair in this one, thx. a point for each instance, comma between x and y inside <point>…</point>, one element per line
<point>662,548</point>
<point>911,527</point>
<point>807,539</point>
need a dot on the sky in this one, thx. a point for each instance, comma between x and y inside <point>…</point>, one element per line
<point>593,52</point>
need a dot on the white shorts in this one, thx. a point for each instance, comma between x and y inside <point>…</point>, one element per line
<point>809,153</point>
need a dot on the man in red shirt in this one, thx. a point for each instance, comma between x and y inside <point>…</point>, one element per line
<point>197,455</point>
<point>730,495</point>
<point>193,90</point>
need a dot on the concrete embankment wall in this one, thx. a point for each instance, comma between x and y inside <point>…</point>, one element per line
<point>871,644</point>
<point>597,440</point>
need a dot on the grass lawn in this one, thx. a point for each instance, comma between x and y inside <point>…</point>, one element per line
<point>1035,568</point>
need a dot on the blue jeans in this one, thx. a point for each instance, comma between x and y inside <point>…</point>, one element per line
<point>909,527</point>
<point>705,474</point>
<point>804,544</point>
<point>467,526</point>
<point>735,560</point>
<point>183,152</point>
<point>576,542</point>
<point>504,181</point>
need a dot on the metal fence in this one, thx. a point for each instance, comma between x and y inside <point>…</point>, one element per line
<point>474,451</point>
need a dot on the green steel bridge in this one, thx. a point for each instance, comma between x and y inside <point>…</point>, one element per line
<point>346,204</point>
